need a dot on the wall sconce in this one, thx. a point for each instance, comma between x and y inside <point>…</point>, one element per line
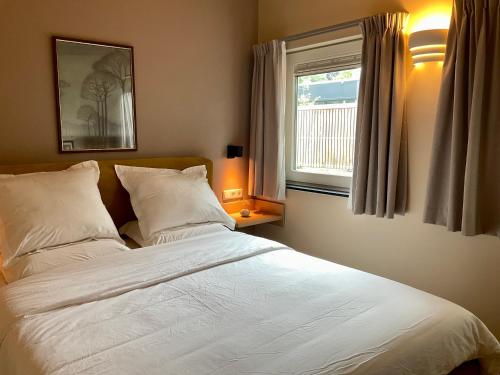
<point>428,45</point>
<point>234,151</point>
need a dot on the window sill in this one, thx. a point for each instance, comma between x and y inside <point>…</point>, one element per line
<point>319,189</point>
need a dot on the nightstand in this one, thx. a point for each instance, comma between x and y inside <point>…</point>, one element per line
<point>261,212</point>
<point>255,218</point>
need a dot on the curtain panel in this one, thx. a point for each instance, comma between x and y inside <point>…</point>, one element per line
<point>379,182</point>
<point>267,128</point>
<point>463,191</point>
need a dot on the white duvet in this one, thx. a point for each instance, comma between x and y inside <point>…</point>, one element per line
<point>229,303</point>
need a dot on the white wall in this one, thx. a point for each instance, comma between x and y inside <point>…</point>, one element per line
<point>465,270</point>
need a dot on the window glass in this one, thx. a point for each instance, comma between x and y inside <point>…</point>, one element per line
<point>326,105</point>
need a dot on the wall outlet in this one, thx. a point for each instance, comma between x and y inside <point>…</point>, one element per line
<point>232,194</point>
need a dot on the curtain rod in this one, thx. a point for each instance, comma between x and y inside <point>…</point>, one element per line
<point>323,30</point>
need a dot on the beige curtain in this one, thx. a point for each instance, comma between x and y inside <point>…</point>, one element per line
<point>464,182</point>
<point>267,133</point>
<point>379,182</point>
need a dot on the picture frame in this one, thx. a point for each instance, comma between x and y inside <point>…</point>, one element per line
<point>95,96</point>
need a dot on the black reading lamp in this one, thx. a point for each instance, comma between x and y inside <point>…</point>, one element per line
<point>234,151</point>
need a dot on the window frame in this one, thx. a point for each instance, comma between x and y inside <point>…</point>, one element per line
<point>337,49</point>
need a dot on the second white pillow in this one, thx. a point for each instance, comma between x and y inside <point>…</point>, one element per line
<point>168,198</point>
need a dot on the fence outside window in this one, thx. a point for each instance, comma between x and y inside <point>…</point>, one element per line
<point>324,138</point>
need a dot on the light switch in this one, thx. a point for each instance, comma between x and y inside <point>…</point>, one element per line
<point>232,194</point>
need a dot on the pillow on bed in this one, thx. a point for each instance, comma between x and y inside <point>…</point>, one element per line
<point>132,231</point>
<point>44,260</point>
<point>47,209</point>
<point>168,198</point>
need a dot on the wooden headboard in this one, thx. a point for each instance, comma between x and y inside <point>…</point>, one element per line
<point>114,196</point>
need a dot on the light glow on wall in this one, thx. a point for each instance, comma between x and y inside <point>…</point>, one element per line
<point>436,16</point>
<point>432,22</point>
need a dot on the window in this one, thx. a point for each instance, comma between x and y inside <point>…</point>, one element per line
<point>322,98</point>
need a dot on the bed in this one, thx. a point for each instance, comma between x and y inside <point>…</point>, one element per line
<point>225,302</point>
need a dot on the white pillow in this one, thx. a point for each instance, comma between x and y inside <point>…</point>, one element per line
<point>44,260</point>
<point>47,209</point>
<point>131,230</point>
<point>168,198</point>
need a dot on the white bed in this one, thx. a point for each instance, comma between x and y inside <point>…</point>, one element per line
<point>211,302</point>
<point>230,303</point>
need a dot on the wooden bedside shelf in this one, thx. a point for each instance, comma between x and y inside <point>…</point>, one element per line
<point>261,212</point>
<point>256,218</point>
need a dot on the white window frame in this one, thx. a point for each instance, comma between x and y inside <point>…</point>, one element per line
<point>345,47</point>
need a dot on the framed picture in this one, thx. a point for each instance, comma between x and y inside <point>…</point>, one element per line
<point>95,96</point>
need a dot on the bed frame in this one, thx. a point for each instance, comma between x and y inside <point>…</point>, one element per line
<point>114,196</point>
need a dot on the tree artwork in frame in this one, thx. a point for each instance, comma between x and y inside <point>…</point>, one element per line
<point>95,96</point>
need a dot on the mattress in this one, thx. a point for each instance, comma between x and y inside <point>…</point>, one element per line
<point>230,303</point>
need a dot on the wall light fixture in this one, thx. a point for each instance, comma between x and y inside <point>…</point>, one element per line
<point>428,45</point>
<point>234,151</point>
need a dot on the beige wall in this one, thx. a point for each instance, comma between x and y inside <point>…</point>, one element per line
<point>465,270</point>
<point>193,67</point>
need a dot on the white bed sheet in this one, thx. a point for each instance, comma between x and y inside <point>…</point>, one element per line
<point>229,303</point>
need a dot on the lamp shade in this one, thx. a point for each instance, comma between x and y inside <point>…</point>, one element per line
<point>428,45</point>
